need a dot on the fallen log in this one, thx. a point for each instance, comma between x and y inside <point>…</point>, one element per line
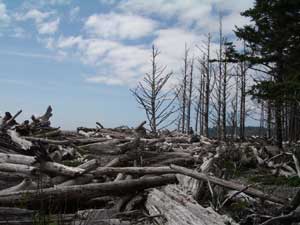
<point>133,170</point>
<point>228,184</point>
<point>7,123</point>
<point>17,159</point>
<point>18,168</point>
<point>26,184</point>
<point>87,166</point>
<point>85,192</point>
<point>178,208</point>
<point>60,169</point>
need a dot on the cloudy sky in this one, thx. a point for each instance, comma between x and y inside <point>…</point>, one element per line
<point>82,57</point>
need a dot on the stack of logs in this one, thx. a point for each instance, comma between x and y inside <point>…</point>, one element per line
<point>117,176</point>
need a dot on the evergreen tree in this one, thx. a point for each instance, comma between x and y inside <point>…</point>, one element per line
<point>273,36</point>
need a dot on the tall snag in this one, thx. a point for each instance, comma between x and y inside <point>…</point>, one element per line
<point>152,95</point>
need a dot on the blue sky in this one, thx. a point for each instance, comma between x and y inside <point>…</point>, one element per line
<point>82,57</point>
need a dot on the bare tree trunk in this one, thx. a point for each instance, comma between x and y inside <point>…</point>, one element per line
<point>189,105</point>
<point>207,87</point>
<point>153,89</point>
<point>269,120</point>
<point>224,102</point>
<point>278,119</point>
<point>219,106</point>
<point>202,112</point>
<point>185,71</point>
<point>262,120</point>
<point>243,101</point>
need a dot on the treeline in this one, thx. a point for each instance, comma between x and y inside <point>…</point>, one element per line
<point>216,84</point>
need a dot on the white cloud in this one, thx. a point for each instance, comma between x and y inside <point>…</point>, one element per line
<point>34,14</point>
<point>184,11</point>
<point>74,13</point>
<point>42,20</point>
<point>19,32</point>
<point>230,21</point>
<point>197,14</point>
<point>119,26</point>
<point>58,2</point>
<point>4,17</point>
<point>68,42</point>
<point>48,27</point>
<point>116,62</point>
<point>104,80</point>
<point>108,2</point>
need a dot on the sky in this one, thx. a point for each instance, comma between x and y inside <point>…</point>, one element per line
<point>82,57</point>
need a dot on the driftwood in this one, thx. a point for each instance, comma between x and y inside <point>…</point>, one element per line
<point>228,184</point>
<point>10,167</point>
<point>87,166</point>
<point>44,168</point>
<point>133,170</point>
<point>177,208</point>
<point>85,192</point>
<point>9,120</point>
<point>26,184</point>
<point>60,169</point>
<point>17,159</point>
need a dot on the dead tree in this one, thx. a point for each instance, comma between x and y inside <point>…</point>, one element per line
<point>190,93</point>
<point>153,97</point>
<point>243,69</point>
<point>199,104</point>
<point>219,105</point>
<point>207,86</point>
<point>184,88</point>
<point>205,70</point>
<point>233,118</point>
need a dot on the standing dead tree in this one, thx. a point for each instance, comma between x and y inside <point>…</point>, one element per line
<point>184,87</point>
<point>152,95</point>
<point>205,84</point>
<point>189,102</point>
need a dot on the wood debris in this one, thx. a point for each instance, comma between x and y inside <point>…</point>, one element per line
<point>128,176</point>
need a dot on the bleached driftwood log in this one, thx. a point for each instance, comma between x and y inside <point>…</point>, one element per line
<point>87,166</point>
<point>25,169</point>
<point>133,170</point>
<point>178,208</point>
<point>87,191</point>
<point>26,184</point>
<point>16,159</point>
<point>60,169</point>
<point>228,184</point>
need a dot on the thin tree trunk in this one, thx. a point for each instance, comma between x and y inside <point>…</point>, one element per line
<point>207,87</point>
<point>188,119</point>
<point>183,119</point>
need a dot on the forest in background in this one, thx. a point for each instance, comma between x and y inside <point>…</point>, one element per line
<point>220,88</point>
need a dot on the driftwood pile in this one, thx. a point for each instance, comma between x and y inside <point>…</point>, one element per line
<point>128,176</point>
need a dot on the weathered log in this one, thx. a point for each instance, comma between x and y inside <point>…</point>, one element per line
<point>25,169</point>
<point>84,179</point>
<point>108,147</point>
<point>60,169</point>
<point>26,184</point>
<point>9,122</point>
<point>228,184</point>
<point>133,170</point>
<point>87,166</point>
<point>16,216</point>
<point>78,141</point>
<point>178,208</point>
<point>85,192</point>
<point>177,161</point>
<point>8,176</point>
<point>17,159</point>
<point>15,137</point>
